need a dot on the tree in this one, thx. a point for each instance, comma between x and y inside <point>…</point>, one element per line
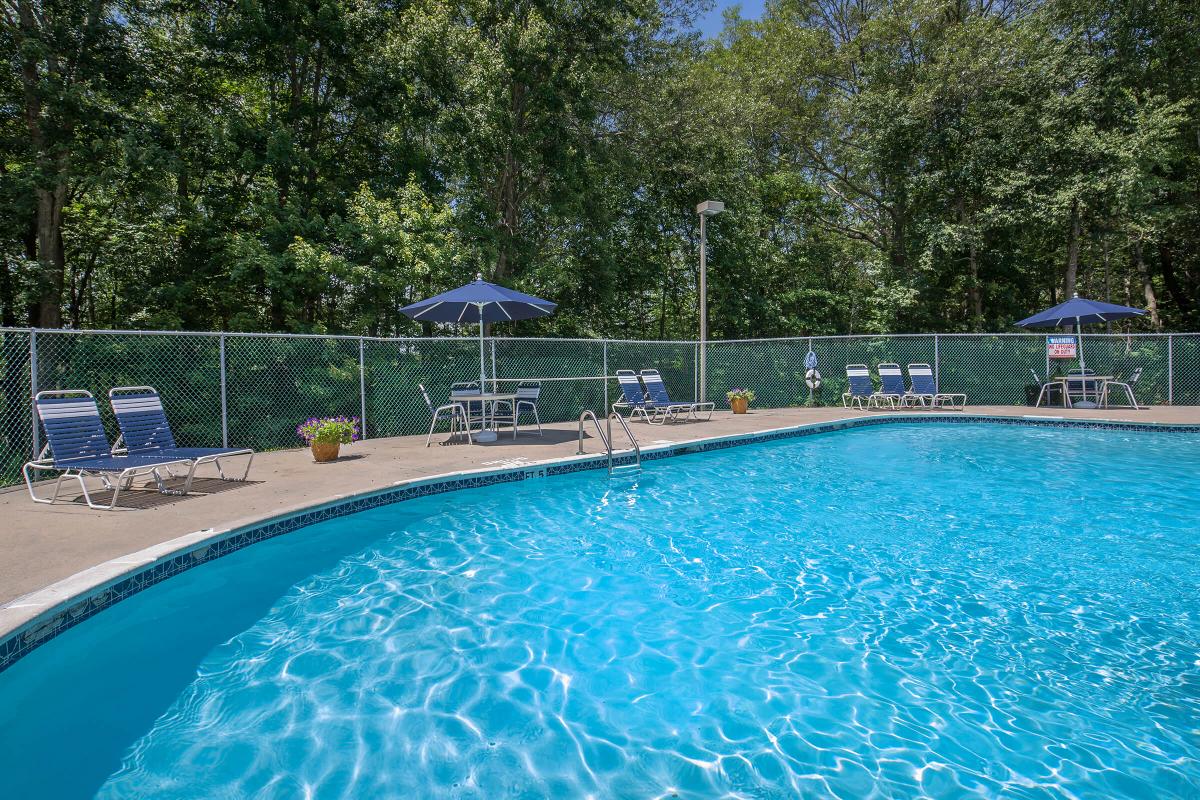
<point>76,75</point>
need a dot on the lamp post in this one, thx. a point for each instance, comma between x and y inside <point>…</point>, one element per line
<point>709,208</point>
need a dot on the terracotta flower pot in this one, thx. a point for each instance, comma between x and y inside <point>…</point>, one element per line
<point>739,404</point>
<point>325,451</point>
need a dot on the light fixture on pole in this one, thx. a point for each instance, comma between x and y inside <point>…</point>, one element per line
<point>709,208</point>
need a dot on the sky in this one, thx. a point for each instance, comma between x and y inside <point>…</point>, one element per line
<point>711,23</point>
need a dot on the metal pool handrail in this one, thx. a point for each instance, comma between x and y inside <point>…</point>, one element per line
<point>607,438</point>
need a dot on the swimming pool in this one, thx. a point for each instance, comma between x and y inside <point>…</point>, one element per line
<point>944,609</point>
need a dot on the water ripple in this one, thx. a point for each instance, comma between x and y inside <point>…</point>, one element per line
<point>918,611</point>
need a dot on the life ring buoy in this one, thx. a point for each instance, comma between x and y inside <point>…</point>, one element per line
<point>812,379</point>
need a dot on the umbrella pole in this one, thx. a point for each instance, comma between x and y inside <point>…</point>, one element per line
<point>483,386</point>
<point>1083,380</point>
<point>1079,334</point>
<point>486,434</point>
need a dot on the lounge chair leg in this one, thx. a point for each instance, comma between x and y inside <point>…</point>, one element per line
<point>87,497</point>
<point>29,485</point>
<point>187,484</point>
<point>158,481</point>
<point>58,486</point>
<point>116,495</point>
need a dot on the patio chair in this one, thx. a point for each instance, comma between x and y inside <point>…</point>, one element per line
<point>636,401</point>
<point>457,413</point>
<point>145,431</point>
<point>476,412</point>
<point>508,412</point>
<point>1127,385</point>
<point>656,391</point>
<point>1048,389</point>
<point>924,389</point>
<point>77,447</point>
<point>891,385</point>
<point>1081,386</point>
<point>861,388</point>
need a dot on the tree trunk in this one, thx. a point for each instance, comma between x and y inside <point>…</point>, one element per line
<point>1175,291</point>
<point>51,259</point>
<point>974,295</point>
<point>51,159</point>
<point>1072,270</point>
<point>509,189</point>
<point>8,316</point>
<point>1107,278</point>
<point>81,287</point>
<point>1147,285</point>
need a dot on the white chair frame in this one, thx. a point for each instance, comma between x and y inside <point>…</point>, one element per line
<point>1127,385</point>
<point>456,414</point>
<point>528,393</point>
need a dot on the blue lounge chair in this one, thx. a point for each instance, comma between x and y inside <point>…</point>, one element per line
<point>77,447</point>
<point>924,389</point>
<point>656,392</point>
<point>861,388</point>
<point>635,400</point>
<point>891,385</point>
<point>146,432</point>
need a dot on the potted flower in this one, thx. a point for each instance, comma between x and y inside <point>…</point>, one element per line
<point>327,434</point>
<point>739,399</point>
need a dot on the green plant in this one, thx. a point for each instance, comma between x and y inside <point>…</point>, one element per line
<point>740,394</point>
<point>329,430</point>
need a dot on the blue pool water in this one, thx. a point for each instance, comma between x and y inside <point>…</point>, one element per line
<point>895,611</point>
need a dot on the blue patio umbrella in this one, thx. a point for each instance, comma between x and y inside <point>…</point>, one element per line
<point>1080,311</point>
<point>480,302</point>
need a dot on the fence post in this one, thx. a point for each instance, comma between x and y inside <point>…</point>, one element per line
<point>937,361</point>
<point>362,386</point>
<point>696,375</point>
<point>604,372</point>
<point>224,399</point>
<point>33,390</point>
<point>1170,369</point>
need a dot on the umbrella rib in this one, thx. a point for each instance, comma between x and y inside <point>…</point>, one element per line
<point>425,311</point>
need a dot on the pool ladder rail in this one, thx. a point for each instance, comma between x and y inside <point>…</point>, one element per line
<point>607,439</point>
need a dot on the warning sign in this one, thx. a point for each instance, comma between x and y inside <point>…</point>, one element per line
<point>1062,347</point>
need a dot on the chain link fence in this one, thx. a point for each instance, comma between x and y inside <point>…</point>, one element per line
<point>251,390</point>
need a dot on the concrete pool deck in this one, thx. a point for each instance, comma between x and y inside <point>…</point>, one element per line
<point>41,545</point>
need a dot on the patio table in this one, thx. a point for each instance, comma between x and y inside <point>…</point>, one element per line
<point>1101,392</point>
<point>488,400</point>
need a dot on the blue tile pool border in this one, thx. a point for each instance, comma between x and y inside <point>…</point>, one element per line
<point>57,620</point>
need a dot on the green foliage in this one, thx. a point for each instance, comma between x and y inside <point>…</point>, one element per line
<point>314,165</point>
<point>329,430</point>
